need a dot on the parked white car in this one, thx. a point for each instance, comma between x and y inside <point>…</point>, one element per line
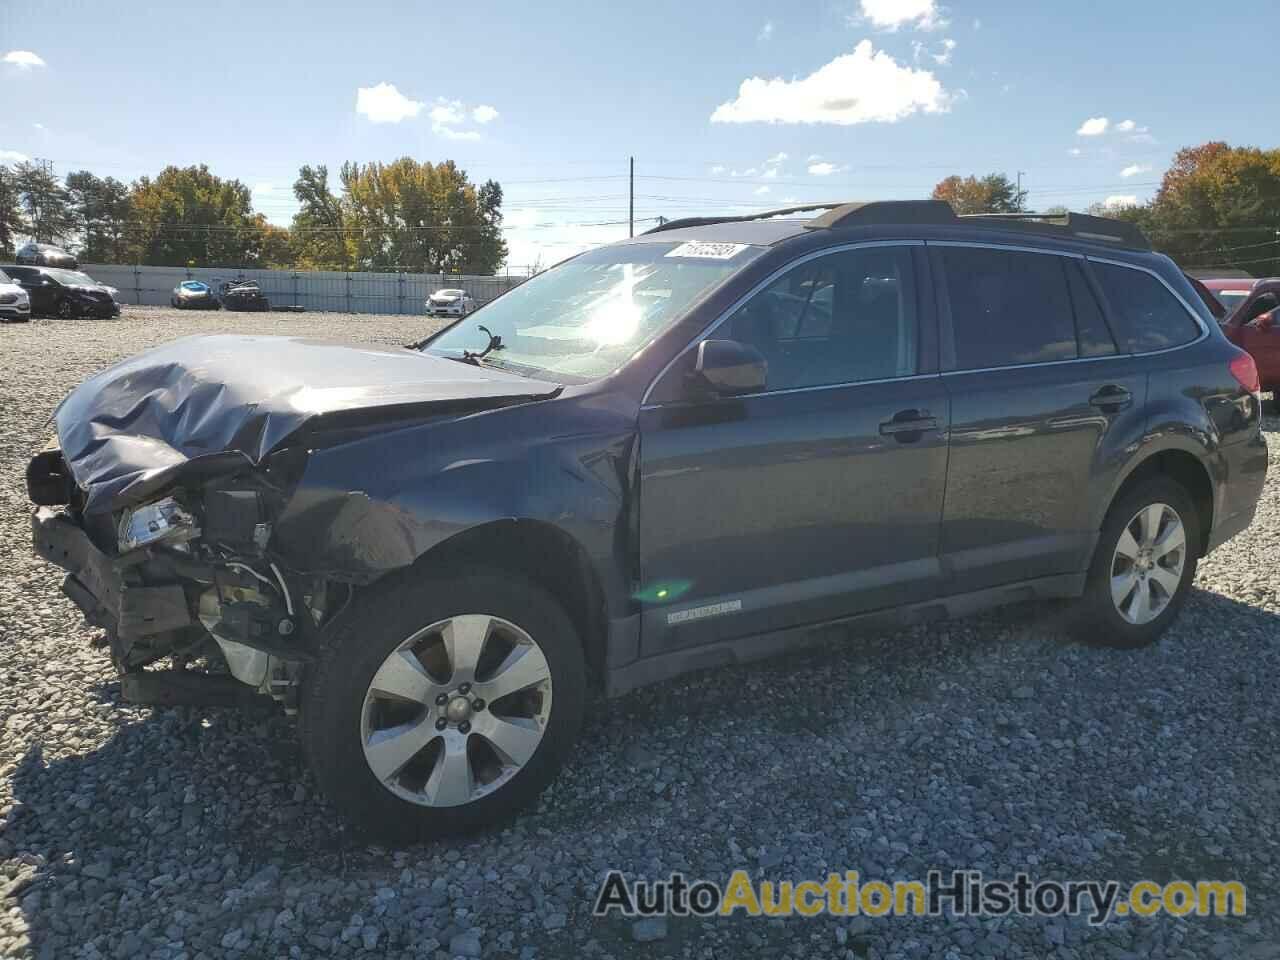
<point>15,304</point>
<point>450,303</point>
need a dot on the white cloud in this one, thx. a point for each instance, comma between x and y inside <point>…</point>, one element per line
<point>770,174</point>
<point>1134,169</point>
<point>450,134</point>
<point>943,59</point>
<point>448,111</point>
<point>1120,200</point>
<point>13,156</point>
<point>1142,137</point>
<point>766,32</point>
<point>1075,151</point>
<point>1093,127</point>
<point>865,86</point>
<point>814,157</point>
<point>822,168</point>
<point>447,115</point>
<point>385,104</point>
<point>761,191</point>
<point>717,170</point>
<point>892,14</point>
<point>23,59</point>
<point>776,159</point>
<point>484,114</point>
<point>1126,126</point>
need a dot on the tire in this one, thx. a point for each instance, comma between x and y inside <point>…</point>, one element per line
<point>341,712</point>
<point>1121,621</point>
<point>66,310</point>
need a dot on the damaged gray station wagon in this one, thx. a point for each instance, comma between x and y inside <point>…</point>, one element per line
<point>680,451</point>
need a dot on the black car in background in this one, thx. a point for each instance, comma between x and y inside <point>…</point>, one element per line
<point>45,255</point>
<point>63,293</point>
<point>244,295</point>
<point>194,295</point>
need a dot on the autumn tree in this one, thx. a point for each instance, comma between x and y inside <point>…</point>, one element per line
<point>1219,206</point>
<point>44,203</point>
<point>994,193</point>
<point>422,217</point>
<point>189,215</point>
<point>101,211</point>
<point>10,213</point>
<point>319,232</point>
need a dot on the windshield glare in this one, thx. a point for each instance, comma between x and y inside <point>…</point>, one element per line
<point>72,277</point>
<point>585,318</point>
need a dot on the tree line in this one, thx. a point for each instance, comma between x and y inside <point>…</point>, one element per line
<point>1218,206</point>
<point>407,214</point>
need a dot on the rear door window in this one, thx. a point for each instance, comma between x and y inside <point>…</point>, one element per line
<point>1007,307</point>
<point>1146,314</point>
<point>1094,337</point>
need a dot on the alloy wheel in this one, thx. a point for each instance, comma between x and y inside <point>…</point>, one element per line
<point>1147,566</point>
<point>456,710</point>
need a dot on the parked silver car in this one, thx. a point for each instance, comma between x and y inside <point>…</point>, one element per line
<point>15,304</point>
<point>451,302</point>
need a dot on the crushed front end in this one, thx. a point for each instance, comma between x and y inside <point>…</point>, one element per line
<point>186,574</point>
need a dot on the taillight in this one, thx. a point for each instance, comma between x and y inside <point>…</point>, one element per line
<point>1245,371</point>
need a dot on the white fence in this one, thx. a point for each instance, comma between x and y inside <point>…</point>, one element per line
<point>353,292</point>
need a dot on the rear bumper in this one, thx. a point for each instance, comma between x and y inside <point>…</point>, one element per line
<point>98,585</point>
<point>1246,473</point>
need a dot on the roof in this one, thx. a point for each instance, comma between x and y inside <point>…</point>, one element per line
<point>773,226</point>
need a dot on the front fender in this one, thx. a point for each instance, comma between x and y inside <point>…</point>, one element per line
<point>366,507</point>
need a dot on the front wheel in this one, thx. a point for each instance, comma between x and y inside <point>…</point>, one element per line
<point>443,705</point>
<point>66,309</point>
<point>1143,566</point>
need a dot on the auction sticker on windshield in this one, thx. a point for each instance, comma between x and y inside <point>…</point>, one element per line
<point>705,250</point>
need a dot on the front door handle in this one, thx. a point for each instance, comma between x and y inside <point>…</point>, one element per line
<point>904,423</point>
<point>1111,397</point>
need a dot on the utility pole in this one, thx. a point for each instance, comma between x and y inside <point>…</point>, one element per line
<point>631,205</point>
<point>1020,175</point>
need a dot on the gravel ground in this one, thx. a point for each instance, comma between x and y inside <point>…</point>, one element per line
<point>987,744</point>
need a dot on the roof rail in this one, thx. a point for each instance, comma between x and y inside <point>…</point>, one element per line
<point>1080,225</point>
<point>882,212</point>
<point>762,215</point>
<point>914,212</point>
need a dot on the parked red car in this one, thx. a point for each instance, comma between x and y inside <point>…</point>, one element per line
<point>1253,323</point>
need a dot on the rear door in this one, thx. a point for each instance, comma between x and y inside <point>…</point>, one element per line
<point>1042,400</point>
<point>818,497</point>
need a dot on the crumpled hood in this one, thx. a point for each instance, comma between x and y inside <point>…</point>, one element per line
<point>134,427</point>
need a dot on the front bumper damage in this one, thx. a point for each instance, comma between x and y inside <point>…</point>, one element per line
<point>185,599</point>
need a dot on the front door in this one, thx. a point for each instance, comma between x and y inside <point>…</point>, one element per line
<point>817,498</point>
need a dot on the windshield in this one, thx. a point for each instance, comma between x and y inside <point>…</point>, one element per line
<point>71,277</point>
<point>194,285</point>
<point>588,316</point>
<point>1232,298</point>
<point>448,293</point>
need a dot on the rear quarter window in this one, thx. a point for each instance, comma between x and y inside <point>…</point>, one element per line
<point>1146,314</point>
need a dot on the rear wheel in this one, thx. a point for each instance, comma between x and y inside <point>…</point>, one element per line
<point>444,705</point>
<point>1143,566</point>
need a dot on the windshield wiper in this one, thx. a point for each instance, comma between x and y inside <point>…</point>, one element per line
<point>495,343</point>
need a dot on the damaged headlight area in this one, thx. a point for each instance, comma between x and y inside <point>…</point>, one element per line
<point>163,520</point>
<point>190,575</point>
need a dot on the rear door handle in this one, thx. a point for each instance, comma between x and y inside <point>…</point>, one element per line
<point>1111,397</point>
<point>908,421</point>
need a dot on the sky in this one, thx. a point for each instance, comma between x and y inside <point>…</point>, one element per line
<point>726,107</point>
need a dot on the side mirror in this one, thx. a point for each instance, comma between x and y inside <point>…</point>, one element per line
<point>729,368</point>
